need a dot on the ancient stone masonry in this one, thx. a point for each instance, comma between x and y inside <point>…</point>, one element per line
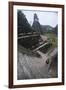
<point>36,56</point>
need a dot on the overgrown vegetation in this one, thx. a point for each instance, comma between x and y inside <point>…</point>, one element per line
<point>52,38</point>
<point>23,25</point>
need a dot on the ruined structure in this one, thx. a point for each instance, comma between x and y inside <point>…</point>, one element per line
<point>36,25</point>
<point>36,56</point>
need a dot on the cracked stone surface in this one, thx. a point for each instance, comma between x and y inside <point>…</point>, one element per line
<point>30,67</point>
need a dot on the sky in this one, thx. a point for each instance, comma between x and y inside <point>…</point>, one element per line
<point>45,17</point>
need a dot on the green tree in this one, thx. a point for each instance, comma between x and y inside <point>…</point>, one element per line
<point>23,25</point>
